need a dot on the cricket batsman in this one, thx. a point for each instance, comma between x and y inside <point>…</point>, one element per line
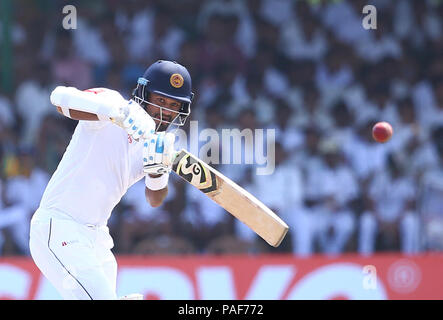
<point>115,144</point>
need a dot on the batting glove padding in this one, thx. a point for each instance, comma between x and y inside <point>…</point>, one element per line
<point>158,153</point>
<point>136,121</point>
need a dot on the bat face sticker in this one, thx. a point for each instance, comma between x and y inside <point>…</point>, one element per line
<point>195,172</point>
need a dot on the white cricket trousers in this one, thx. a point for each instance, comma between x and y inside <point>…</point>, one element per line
<point>74,257</point>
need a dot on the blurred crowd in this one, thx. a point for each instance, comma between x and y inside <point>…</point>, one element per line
<point>307,69</point>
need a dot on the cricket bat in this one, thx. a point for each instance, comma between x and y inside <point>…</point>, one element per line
<point>233,198</point>
<point>226,193</point>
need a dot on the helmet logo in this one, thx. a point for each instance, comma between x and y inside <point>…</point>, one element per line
<point>176,80</point>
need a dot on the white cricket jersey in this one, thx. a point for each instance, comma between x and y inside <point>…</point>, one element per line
<point>99,165</point>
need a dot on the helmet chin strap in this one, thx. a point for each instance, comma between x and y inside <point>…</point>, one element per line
<point>180,117</point>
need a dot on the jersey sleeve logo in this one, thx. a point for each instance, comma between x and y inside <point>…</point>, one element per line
<point>176,80</point>
<point>95,90</point>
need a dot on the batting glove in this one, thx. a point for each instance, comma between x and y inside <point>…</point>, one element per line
<point>135,120</point>
<point>158,153</point>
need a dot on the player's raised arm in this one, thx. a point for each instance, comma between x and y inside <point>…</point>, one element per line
<point>88,105</point>
<point>85,105</point>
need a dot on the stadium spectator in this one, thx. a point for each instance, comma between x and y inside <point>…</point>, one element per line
<point>284,193</point>
<point>392,214</point>
<point>326,222</point>
<point>67,67</point>
<point>33,94</point>
<point>21,196</point>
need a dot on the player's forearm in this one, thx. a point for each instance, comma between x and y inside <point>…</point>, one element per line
<point>156,188</point>
<point>156,197</point>
<point>79,115</point>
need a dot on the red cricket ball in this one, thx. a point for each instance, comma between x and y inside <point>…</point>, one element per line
<point>382,131</point>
